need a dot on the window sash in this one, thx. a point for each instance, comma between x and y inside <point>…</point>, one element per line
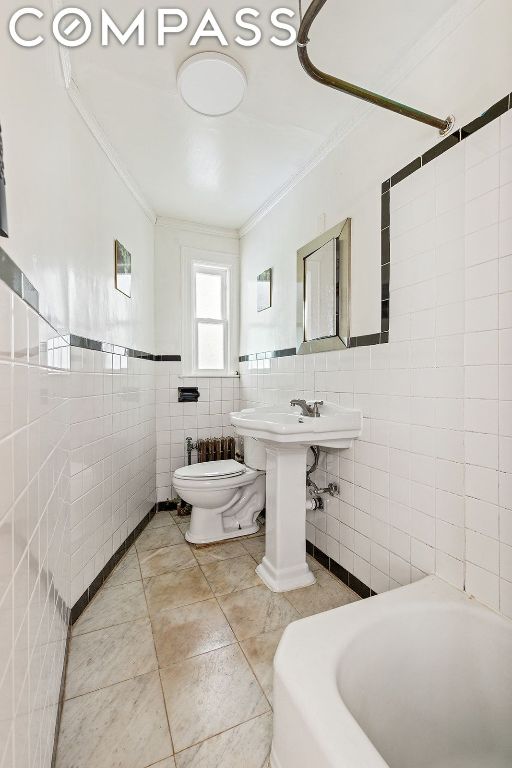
<point>224,272</point>
<point>225,337</point>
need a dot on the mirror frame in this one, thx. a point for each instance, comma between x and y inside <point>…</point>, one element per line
<point>341,234</point>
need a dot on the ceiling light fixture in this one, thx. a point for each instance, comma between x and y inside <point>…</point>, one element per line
<point>212,83</point>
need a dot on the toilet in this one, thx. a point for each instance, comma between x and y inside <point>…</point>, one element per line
<point>226,496</point>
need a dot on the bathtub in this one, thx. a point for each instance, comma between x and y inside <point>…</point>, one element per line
<point>420,677</point>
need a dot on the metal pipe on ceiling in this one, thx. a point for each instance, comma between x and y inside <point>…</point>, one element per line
<point>355,90</point>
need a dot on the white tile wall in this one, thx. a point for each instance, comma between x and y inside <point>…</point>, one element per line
<point>77,474</point>
<point>112,456</point>
<point>428,487</point>
<point>209,417</point>
<point>34,512</point>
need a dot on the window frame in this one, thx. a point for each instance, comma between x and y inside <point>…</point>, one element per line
<point>197,260</point>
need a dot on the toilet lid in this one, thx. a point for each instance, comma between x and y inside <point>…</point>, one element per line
<point>209,470</point>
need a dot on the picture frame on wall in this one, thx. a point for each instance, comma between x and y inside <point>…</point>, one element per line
<point>3,201</point>
<point>264,290</point>
<point>123,269</point>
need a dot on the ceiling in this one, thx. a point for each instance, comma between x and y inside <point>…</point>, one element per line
<point>220,170</point>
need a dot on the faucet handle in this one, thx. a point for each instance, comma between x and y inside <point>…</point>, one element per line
<point>314,405</point>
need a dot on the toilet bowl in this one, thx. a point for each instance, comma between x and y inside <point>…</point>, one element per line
<point>226,496</point>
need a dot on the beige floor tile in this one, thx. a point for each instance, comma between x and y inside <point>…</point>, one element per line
<point>326,594</point>
<point>232,575</point>
<point>122,726</point>
<point>245,746</point>
<point>260,652</point>
<point>180,518</point>
<point>126,570</point>
<point>257,610</point>
<point>108,656</point>
<point>155,538</point>
<point>156,561</point>
<point>172,590</point>
<point>183,526</point>
<point>160,520</point>
<point>216,552</point>
<point>255,547</point>
<point>189,631</point>
<point>115,605</point>
<point>167,763</point>
<point>210,693</point>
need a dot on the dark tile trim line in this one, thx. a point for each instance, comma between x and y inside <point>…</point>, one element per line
<point>83,601</point>
<point>102,346</point>
<point>81,605</point>
<point>288,352</point>
<point>167,506</point>
<point>450,141</point>
<point>498,109</point>
<point>19,283</point>
<point>351,581</point>
<point>60,705</point>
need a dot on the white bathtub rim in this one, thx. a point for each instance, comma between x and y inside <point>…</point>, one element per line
<point>307,660</point>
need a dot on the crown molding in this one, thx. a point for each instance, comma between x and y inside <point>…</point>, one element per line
<point>448,23</point>
<point>99,134</point>
<point>195,226</point>
<point>425,46</point>
<point>108,149</point>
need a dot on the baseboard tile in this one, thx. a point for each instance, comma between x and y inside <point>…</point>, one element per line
<point>83,601</point>
<point>351,581</point>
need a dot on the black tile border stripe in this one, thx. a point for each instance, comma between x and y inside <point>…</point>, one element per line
<point>103,346</point>
<point>80,606</point>
<point>497,110</point>
<point>60,703</point>
<point>19,283</point>
<point>288,352</point>
<point>351,581</point>
<point>83,601</point>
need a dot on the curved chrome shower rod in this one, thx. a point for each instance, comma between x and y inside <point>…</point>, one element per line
<point>354,90</point>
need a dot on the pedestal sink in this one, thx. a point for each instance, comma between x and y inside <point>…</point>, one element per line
<point>287,435</point>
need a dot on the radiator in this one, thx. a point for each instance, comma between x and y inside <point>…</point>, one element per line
<point>211,448</point>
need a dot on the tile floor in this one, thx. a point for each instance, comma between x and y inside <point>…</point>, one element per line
<point>170,666</point>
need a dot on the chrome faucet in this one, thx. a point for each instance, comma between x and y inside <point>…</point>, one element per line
<point>308,409</point>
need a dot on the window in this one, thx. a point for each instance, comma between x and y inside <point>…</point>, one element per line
<point>210,313</point>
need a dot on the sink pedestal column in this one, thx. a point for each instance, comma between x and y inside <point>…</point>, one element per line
<point>284,566</point>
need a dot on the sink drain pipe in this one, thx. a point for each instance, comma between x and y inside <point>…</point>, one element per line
<point>315,501</point>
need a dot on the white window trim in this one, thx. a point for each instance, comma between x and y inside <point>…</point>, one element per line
<point>189,258</point>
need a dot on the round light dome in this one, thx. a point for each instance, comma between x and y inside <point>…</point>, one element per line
<point>212,83</point>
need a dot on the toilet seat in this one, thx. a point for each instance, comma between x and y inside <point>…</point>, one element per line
<point>211,470</point>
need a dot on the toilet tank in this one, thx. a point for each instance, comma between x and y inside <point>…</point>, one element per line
<point>255,455</point>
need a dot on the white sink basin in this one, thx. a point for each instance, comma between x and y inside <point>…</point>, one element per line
<point>335,428</point>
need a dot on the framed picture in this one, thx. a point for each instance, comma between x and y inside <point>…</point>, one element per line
<point>123,259</point>
<point>264,290</point>
<point>3,203</point>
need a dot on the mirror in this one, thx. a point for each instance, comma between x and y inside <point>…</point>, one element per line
<point>323,291</point>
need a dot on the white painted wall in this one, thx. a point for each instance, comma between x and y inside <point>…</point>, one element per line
<point>66,204</point>
<point>170,238</point>
<point>466,72</point>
